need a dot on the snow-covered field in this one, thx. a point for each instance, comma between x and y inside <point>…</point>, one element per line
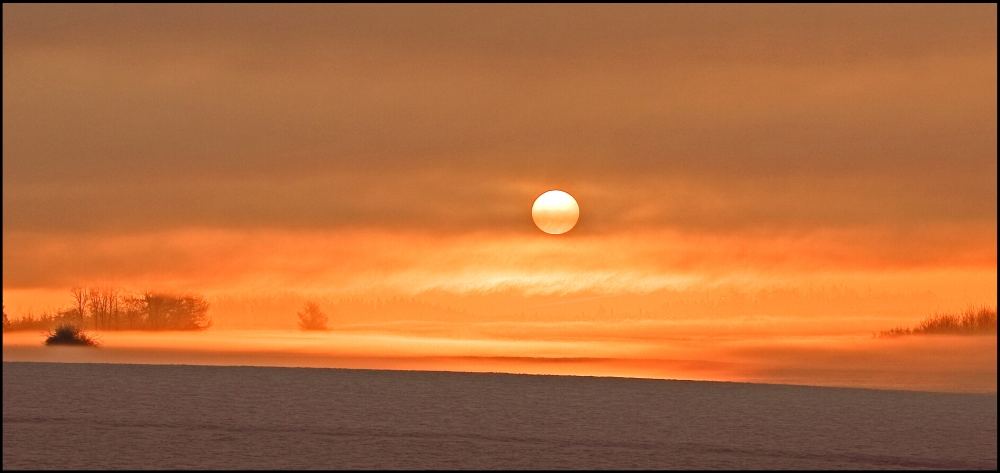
<point>71,415</point>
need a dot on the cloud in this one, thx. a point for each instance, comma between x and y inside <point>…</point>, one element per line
<point>412,262</point>
<point>785,151</point>
<point>131,118</point>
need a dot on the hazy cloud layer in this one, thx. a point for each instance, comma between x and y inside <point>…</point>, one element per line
<point>122,118</point>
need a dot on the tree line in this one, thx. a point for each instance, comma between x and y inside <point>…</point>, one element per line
<point>113,309</point>
<point>974,321</point>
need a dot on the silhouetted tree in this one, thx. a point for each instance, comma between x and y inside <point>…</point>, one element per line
<point>165,311</point>
<point>79,302</point>
<point>95,306</point>
<point>312,318</point>
<point>133,310</point>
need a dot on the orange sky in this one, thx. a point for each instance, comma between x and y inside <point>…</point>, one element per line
<point>826,169</point>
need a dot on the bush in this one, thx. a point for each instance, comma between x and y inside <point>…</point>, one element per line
<point>69,335</point>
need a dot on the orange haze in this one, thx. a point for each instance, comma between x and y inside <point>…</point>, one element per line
<point>757,173</point>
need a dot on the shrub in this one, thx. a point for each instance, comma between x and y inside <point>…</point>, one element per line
<point>69,335</point>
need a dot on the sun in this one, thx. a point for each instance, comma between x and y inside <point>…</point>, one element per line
<point>555,212</point>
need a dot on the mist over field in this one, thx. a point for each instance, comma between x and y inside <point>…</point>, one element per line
<point>930,363</point>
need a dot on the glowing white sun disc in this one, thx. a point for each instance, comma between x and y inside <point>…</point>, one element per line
<point>555,212</point>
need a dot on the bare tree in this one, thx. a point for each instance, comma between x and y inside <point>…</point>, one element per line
<point>312,318</point>
<point>104,307</point>
<point>79,302</point>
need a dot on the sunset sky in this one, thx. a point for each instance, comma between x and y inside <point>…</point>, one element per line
<point>792,169</point>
